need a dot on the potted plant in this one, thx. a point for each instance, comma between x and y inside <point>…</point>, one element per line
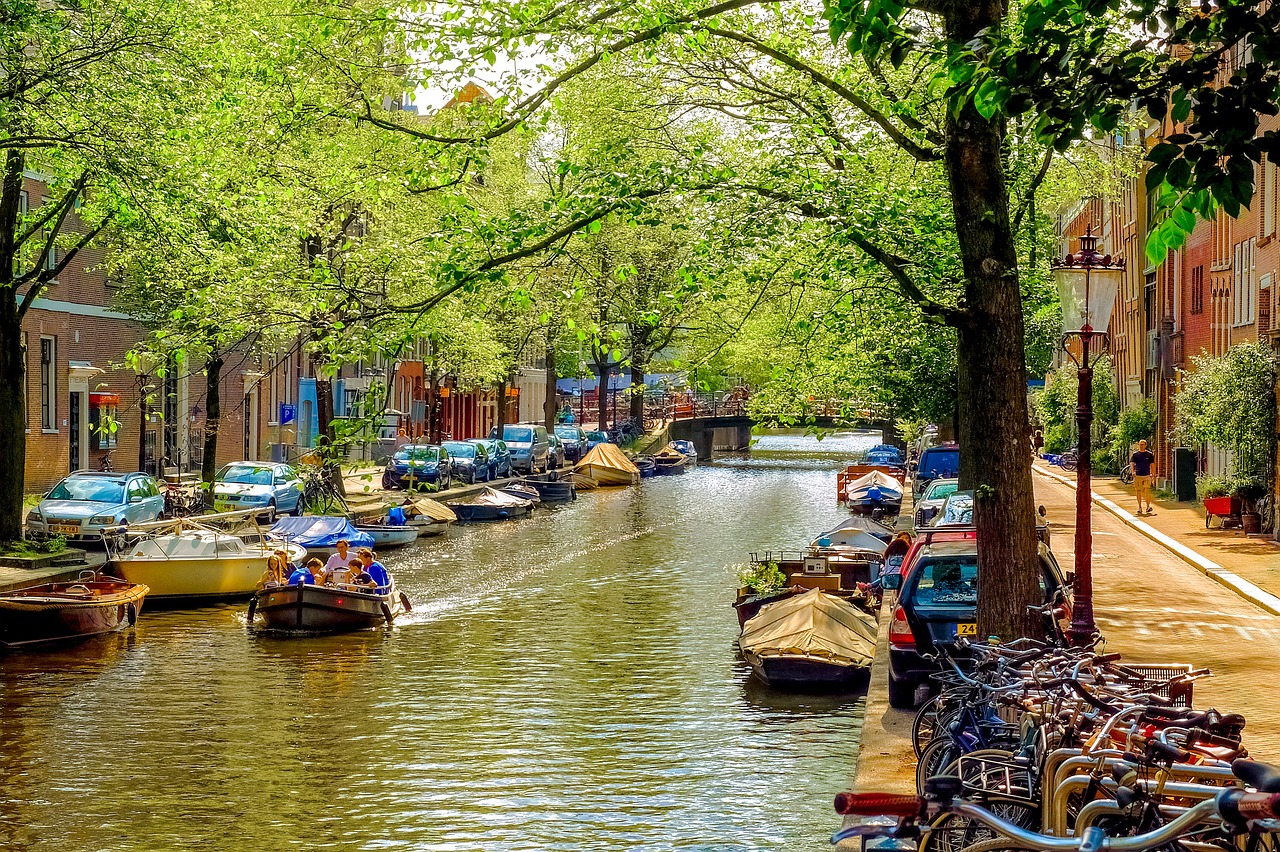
<point>1249,492</point>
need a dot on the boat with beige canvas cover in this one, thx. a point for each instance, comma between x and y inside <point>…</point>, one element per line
<point>608,465</point>
<point>810,641</point>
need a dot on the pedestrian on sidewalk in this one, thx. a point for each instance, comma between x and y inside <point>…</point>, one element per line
<point>1143,469</point>
<point>1037,444</point>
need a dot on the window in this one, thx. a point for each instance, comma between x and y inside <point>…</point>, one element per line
<point>104,422</point>
<point>48,384</point>
<point>50,259</point>
<point>1244,285</point>
<point>1266,195</point>
<point>948,581</point>
<point>1197,290</point>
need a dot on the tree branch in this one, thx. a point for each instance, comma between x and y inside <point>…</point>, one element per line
<point>1031,189</point>
<point>48,275</point>
<point>895,133</point>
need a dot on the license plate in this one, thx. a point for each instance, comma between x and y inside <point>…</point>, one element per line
<point>223,506</point>
<point>966,629</point>
<point>64,529</point>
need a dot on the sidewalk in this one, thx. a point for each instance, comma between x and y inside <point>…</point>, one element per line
<point>1254,558</point>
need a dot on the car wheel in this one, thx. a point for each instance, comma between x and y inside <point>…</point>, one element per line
<point>471,478</point>
<point>902,694</point>
<point>270,513</point>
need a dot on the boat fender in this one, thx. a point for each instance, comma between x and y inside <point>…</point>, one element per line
<point>131,612</point>
<point>253,606</point>
<point>404,602</point>
<point>386,612</point>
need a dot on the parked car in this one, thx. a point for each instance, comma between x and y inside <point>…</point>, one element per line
<point>557,453</point>
<point>932,498</point>
<point>416,465</point>
<point>596,437</point>
<point>499,456</point>
<point>249,484</point>
<point>574,440</point>
<point>940,462</point>
<point>86,503</point>
<point>938,603</point>
<point>468,461</point>
<point>530,449</point>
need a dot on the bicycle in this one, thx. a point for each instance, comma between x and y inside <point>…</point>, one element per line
<point>319,494</point>
<point>1126,474</point>
<point>1225,817</point>
<point>106,465</point>
<point>1069,460</point>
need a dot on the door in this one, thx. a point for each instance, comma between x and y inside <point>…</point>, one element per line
<point>74,417</point>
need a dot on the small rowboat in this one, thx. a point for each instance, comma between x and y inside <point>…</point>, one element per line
<point>57,612</point>
<point>492,505</point>
<point>670,462</point>
<point>325,609</point>
<point>561,491</point>
<point>385,536</point>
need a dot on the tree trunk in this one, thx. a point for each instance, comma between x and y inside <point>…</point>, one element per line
<point>602,394</point>
<point>13,420</point>
<point>637,395</point>
<point>433,408</point>
<point>212,418</point>
<point>144,410</point>
<point>549,407</point>
<point>326,435</point>
<point>502,405</point>
<point>992,383</point>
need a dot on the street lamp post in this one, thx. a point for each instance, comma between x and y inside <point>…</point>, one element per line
<point>1087,283</point>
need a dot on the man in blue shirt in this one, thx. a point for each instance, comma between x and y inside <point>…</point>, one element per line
<point>1143,469</point>
<point>302,576</point>
<point>376,570</point>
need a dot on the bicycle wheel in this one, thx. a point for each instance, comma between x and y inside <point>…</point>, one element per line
<point>1000,844</point>
<point>992,779</point>
<point>925,725</point>
<point>955,833</point>
<point>936,757</point>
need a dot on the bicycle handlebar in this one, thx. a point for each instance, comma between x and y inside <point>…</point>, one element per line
<point>880,804</point>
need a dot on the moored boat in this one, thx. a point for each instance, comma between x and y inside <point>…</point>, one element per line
<point>522,491</point>
<point>669,462</point>
<point>874,493</point>
<point>646,465</point>
<point>386,535</point>
<point>687,449</point>
<point>325,609</point>
<point>809,641</point>
<point>559,491</point>
<point>608,466</point>
<point>194,563</point>
<point>319,534</point>
<point>427,516</point>
<point>59,612</point>
<point>491,505</point>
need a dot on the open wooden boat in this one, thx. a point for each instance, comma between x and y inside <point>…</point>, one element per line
<point>385,536</point>
<point>59,612</point>
<point>492,505</point>
<point>810,641</point>
<point>325,609</point>
<point>669,462</point>
<point>195,563</point>
<point>608,466</point>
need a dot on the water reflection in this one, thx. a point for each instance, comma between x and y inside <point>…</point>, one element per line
<point>566,681</point>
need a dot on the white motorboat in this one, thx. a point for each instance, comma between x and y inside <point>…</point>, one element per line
<point>198,563</point>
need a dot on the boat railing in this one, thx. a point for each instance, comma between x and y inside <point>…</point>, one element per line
<point>779,556</point>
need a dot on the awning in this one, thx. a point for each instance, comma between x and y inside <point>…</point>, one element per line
<point>103,398</point>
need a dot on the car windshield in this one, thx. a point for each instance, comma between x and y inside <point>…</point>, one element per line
<point>940,463</point>
<point>461,450</point>
<point>243,474</point>
<point>939,490</point>
<point>93,490</point>
<point>517,434</point>
<point>948,581</point>
<point>419,454</point>
<point>567,432</point>
<point>957,510</point>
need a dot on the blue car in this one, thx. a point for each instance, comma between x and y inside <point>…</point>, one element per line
<point>499,456</point>
<point>418,465</point>
<point>594,438</point>
<point>270,486</point>
<point>86,503</point>
<point>469,460</point>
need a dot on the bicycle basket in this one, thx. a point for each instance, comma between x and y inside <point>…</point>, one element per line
<point>1006,777</point>
<point>1154,678</point>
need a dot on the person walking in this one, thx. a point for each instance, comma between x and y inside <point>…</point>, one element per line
<point>1037,444</point>
<point>1143,469</point>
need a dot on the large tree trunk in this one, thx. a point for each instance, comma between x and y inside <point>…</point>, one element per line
<point>326,436</point>
<point>636,401</point>
<point>502,405</point>
<point>212,418</point>
<point>549,408</point>
<point>992,381</point>
<point>433,408</point>
<point>602,394</point>
<point>13,420</point>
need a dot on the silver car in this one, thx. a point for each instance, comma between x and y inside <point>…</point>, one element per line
<point>931,500</point>
<point>86,503</point>
<point>271,486</point>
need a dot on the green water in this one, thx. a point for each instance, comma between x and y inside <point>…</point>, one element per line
<point>566,682</point>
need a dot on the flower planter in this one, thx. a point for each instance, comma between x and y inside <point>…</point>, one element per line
<point>1227,508</point>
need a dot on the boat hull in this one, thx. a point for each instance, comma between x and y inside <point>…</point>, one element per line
<point>473,512</point>
<point>553,492</point>
<point>209,580</point>
<point>322,609</point>
<point>803,672</point>
<point>44,615</point>
<point>608,477</point>
<point>429,528</point>
<point>672,468</point>
<point>386,536</point>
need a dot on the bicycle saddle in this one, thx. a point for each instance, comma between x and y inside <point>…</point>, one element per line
<point>1264,777</point>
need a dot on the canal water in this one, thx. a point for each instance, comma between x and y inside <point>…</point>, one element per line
<point>566,682</point>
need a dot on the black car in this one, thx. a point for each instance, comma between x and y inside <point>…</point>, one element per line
<point>469,461</point>
<point>938,603</point>
<point>574,440</point>
<point>499,456</point>
<point>418,465</point>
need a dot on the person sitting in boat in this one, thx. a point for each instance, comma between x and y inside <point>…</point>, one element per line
<point>302,576</point>
<point>376,570</point>
<point>357,576</point>
<point>338,563</point>
<point>275,572</point>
